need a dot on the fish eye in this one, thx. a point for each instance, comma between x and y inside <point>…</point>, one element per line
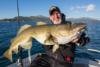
<point>78,32</point>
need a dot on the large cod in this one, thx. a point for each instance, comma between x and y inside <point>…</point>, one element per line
<point>47,35</point>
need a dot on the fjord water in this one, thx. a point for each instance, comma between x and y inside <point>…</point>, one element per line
<point>8,30</point>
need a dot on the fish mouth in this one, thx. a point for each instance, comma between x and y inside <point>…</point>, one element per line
<point>77,36</point>
<point>82,30</point>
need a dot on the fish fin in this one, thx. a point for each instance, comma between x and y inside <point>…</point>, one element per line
<point>8,55</point>
<point>49,40</point>
<point>55,47</point>
<point>23,28</point>
<point>41,23</point>
<point>16,50</point>
<point>27,45</point>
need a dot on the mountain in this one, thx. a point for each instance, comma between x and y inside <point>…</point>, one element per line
<point>27,19</point>
<point>84,19</point>
<point>46,19</point>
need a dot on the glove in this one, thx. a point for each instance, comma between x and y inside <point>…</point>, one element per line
<point>83,40</point>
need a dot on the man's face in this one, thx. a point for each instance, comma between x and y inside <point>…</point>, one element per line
<point>55,17</point>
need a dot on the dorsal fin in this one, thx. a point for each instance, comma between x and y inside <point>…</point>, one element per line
<point>41,23</point>
<point>23,28</point>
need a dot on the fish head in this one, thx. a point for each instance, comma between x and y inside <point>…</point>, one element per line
<point>76,31</point>
<point>78,27</point>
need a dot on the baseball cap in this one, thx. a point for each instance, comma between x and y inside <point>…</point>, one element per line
<point>53,8</point>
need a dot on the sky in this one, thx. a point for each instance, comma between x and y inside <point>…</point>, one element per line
<point>71,8</point>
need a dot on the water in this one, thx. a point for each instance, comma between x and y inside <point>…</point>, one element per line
<point>9,29</point>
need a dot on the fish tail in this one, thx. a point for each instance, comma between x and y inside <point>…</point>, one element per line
<point>8,54</point>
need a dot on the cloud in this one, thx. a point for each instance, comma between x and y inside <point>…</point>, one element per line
<point>77,8</point>
<point>90,7</point>
<point>87,8</point>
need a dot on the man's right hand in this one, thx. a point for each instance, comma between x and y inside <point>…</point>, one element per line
<point>83,40</point>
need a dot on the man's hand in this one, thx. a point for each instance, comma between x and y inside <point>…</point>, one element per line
<point>83,40</point>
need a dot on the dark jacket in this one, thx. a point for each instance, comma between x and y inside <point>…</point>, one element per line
<point>59,57</point>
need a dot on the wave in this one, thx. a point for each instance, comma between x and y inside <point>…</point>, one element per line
<point>94,50</point>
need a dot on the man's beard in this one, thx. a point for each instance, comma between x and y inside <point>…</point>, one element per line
<point>57,22</point>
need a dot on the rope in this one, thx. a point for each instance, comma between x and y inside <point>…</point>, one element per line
<point>20,49</point>
<point>18,13</point>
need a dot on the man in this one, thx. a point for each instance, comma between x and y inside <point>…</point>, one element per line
<point>66,53</point>
<point>64,57</point>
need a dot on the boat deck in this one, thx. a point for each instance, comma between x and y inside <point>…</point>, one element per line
<point>79,62</point>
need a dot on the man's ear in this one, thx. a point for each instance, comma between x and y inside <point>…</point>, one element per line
<point>50,18</point>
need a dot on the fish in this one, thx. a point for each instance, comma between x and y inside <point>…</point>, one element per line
<point>58,34</point>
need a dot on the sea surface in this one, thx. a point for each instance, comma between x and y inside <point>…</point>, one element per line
<point>8,31</point>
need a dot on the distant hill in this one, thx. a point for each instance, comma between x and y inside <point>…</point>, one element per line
<point>27,19</point>
<point>84,19</point>
<point>46,19</point>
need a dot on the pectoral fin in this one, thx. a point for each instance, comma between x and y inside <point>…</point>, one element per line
<point>49,40</point>
<point>55,47</point>
<point>27,45</point>
<point>16,50</point>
